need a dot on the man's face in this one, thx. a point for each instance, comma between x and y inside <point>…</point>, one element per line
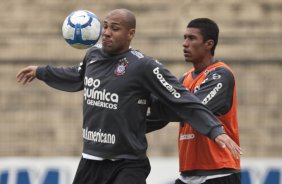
<point>194,47</point>
<point>116,35</point>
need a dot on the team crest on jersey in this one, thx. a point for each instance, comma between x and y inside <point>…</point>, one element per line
<point>121,67</point>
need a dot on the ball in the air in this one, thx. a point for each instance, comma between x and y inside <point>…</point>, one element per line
<point>82,29</point>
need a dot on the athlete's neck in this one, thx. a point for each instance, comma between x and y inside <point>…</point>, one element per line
<point>200,66</point>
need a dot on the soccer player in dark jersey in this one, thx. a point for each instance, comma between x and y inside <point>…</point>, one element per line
<point>213,82</point>
<point>118,82</point>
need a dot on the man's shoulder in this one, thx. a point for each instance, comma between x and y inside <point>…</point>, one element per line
<point>222,74</point>
<point>141,58</point>
<point>137,55</point>
<point>95,50</point>
<point>222,66</point>
<point>224,70</point>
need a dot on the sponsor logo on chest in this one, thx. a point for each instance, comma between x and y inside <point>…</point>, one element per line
<point>99,97</point>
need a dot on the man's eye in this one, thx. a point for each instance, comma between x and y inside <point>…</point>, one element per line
<point>115,28</point>
<point>191,38</point>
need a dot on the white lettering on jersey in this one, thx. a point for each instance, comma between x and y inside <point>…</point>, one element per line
<point>186,137</point>
<point>137,54</point>
<point>169,87</point>
<point>158,62</point>
<point>99,98</point>
<point>212,93</point>
<point>99,136</point>
<point>142,101</point>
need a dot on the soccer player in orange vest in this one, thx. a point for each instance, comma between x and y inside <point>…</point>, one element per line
<point>201,161</point>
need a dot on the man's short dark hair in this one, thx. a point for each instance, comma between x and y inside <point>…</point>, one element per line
<point>208,29</point>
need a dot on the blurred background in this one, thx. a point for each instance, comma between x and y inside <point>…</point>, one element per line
<point>38,122</point>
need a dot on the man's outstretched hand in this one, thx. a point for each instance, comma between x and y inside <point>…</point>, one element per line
<point>27,74</point>
<point>224,141</point>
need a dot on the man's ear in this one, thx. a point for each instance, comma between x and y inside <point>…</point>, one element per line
<point>131,33</point>
<point>209,44</point>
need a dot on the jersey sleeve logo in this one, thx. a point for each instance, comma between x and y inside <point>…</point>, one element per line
<point>168,86</point>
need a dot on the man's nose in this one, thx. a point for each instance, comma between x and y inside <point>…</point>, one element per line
<point>185,43</point>
<point>106,31</point>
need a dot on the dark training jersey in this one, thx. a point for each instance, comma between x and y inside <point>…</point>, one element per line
<point>117,92</point>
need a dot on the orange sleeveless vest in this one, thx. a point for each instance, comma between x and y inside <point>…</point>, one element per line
<point>198,152</point>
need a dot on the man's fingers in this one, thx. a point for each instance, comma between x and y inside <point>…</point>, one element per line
<point>224,140</point>
<point>30,79</point>
<point>25,76</point>
<point>24,73</point>
<point>235,149</point>
<point>223,145</point>
<point>25,80</point>
<point>19,74</point>
<point>21,77</point>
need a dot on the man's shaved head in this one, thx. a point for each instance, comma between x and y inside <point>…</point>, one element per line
<point>118,31</point>
<point>127,16</point>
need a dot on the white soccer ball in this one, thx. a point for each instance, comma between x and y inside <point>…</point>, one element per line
<point>82,29</point>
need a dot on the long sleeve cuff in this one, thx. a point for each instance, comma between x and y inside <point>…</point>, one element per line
<point>40,71</point>
<point>216,131</point>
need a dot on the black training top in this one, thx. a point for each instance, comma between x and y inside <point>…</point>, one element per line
<point>117,92</point>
